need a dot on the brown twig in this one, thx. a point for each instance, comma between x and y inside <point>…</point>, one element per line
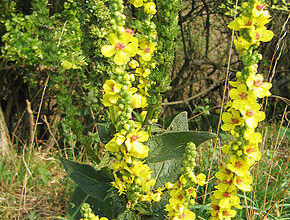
<point>31,121</point>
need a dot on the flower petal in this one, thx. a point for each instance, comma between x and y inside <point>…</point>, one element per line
<point>108,50</point>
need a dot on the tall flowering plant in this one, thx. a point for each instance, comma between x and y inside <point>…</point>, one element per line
<point>151,176</point>
<point>243,112</point>
<point>141,176</point>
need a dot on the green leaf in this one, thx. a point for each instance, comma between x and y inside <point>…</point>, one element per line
<point>109,208</point>
<point>127,215</point>
<point>104,133</point>
<point>166,150</point>
<point>104,161</point>
<point>92,182</point>
<point>179,123</point>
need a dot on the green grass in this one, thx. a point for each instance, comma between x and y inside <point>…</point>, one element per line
<point>33,185</point>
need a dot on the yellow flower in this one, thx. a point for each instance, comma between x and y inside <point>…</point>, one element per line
<point>150,8</point>
<point>231,120</point>
<point>226,194</point>
<point>122,48</point>
<point>227,214</point>
<point>147,49</point>
<point>142,173</point>
<point>244,183</point>
<point>253,137</point>
<point>240,23</point>
<point>143,86</point>
<point>242,97</point>
<point>176,202</point>
<point>252,115</point>
<point>115,144</point>
<point>260,88</point>
<point>242,44</point>
<point>111,89</point>
<point>261,34</point>
<point>137,3</point>
<point>119,184</point>
<point>200,179</point>
<point>186,215</point>
<point>133,64</point>
<point>258,10</point>
<point>244,22</point>
<point>252,150</point>
<point>143,72</point>
<point>138,101</point>
<point>134,146</point>
<point>224,174</point>
<point>238,165</point>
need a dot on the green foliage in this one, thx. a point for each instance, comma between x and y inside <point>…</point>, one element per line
<point>166,149</point>
<point>110,207</point>
<point>93,182</point>
<point>179,123</point>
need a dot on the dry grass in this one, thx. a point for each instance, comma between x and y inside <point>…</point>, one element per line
<point>38,190</point>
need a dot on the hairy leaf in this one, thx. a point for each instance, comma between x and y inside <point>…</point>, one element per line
<point>179,123</point>
<point>92,182</point>
<point>166,150</point>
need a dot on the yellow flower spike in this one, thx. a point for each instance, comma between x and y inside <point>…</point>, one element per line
<point>150,8</point>
<point>244,183</point>
<point>231,120</point>
<point>260,88</point>
<point>252,115</point>
<point>122,48</point>
<point>238,165</point>
<point>147,49</point>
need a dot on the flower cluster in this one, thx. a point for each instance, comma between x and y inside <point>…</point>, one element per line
<point>132,56</point>
<point>149,6</point>
<point>243,112</point>
<point>251,25</point>
<point>183,192</point>
<point>88,214</point>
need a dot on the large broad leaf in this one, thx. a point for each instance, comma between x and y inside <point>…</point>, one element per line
<point>166,150</point>
<point>92,182</point>
<point>179,123</point>
<point>109,208</point>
